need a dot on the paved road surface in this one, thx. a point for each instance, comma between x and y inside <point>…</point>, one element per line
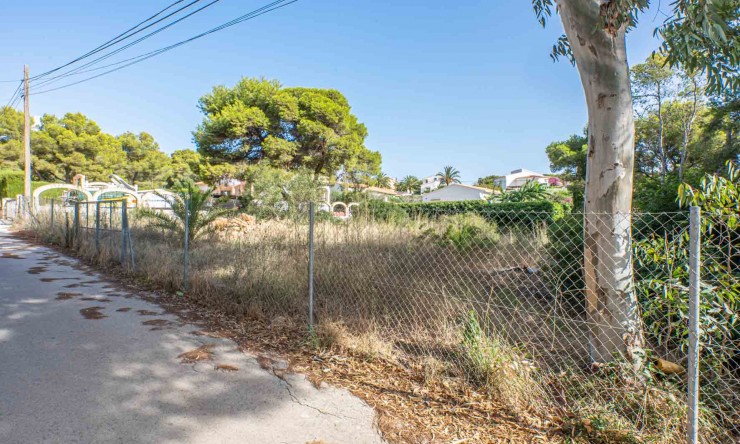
<point>65,378</point>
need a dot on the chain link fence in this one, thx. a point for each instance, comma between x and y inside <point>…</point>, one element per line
<point>583,317</point>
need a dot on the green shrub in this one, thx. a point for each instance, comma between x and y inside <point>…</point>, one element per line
<point>11,184</point>
<point>502,214</point>
<point>566,256</point>
<point>382,211</point>
<point>465,232</point>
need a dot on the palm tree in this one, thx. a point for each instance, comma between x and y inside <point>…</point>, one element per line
<point>531,191</point>
<point>411,184</point>
<point>382,180</point>
<point>449,175</point>
<point>189,201</point>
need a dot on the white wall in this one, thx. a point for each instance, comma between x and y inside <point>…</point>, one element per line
<point>454,192</point>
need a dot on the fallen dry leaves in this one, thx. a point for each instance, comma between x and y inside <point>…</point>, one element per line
<point>202,353</point>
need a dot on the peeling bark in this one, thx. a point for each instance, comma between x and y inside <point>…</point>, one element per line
<point>601,57</point>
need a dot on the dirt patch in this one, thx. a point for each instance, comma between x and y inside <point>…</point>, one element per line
<point>226,368</point>
<point>56,279</point>
<point>64,296</point>
<point>147,313</point>
<point>202,353</point>
<point>92,313</point>
<point>10,256</point>
<point>124,309</point>
<point>36,270</point>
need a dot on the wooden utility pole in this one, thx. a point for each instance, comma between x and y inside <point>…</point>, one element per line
<point>26,140</point>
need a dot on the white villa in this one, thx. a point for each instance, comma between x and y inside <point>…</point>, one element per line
<point>431,183</point>
<point>456,192</point>
<point>517,179</point>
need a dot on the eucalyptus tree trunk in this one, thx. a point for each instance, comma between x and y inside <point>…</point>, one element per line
<point>599,50</point>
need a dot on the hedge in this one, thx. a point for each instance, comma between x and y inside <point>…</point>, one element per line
<point>11,184</point>
<point>503,214</point>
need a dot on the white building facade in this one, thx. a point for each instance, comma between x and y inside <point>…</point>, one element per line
<point>457,192</point>
<point>431,183</point>
<point>517,179</point>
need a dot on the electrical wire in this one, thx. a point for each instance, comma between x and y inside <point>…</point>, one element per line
<point>140,58</point>
<point>116,39</point>
<point>123,48</point>
<point>123,36</point>
<point>16,93</point>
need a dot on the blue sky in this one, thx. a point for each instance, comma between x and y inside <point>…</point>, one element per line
<point>468,84</point>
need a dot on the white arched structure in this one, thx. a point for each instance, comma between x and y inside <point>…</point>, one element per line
<point>342,205</point>
<point>157,199</point>
<point>56,186</point>
<point>351,206</point>
<point>99,193</point>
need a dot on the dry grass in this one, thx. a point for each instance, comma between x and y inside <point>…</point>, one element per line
<point>393,307</point>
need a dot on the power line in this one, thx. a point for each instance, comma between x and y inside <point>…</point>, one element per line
<point>119,38</point>
<point>123,36</point>
<point>140,58</point>
<point>14,97</point>
<point>139,40</point>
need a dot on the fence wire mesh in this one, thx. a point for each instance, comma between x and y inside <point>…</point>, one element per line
<point>519,305</point>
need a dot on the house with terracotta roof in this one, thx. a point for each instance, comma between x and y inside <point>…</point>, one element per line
<point>380,193</point>
<point>456,192</point>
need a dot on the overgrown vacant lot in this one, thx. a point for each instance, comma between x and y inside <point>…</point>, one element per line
<point>480,324</point>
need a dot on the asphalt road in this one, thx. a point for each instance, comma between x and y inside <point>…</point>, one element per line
<point>72,373</point>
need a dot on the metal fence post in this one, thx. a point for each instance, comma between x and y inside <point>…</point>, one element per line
<point>124,226</point>
<point>97,227</point>
<point>76,223</point>
<point>66,229</point>
<point>694,282</point>
<point>186,253</point>
<point>51,221</point>
<point>310,264</point>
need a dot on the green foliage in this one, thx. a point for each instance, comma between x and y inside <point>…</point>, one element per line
<point>651,196</point>
<point>697,35</point>
<point>260,120</point>
<point>11,142</point>
<point>449,175</point>
<point>146,165</point>
<point>565,267</point>
<point>531,191</point>
<point>568,159</point>
<point>186,166</point>
<point>382,211</point>
<point>488,182</point>
<point>11,184</point>
<point>502,214</point>
<point>191,203</point>
<point>716,195</point>
<point>465,232</point>
<point>410,184</point>
<point>278,193</point>
<point>381,180</point>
